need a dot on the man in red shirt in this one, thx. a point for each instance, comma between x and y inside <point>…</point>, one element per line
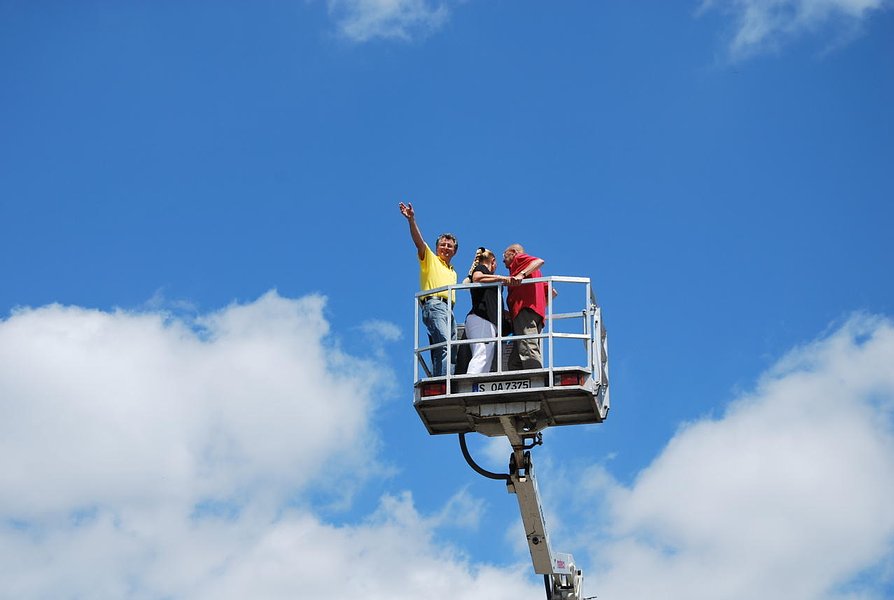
<point>527,306</point>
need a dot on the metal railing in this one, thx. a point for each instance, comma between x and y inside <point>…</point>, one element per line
<point>591,330</point>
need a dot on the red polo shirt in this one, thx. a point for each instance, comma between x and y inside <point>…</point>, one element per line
<point>529,295</point>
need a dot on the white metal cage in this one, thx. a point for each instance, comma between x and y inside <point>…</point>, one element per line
<point>570,388</point>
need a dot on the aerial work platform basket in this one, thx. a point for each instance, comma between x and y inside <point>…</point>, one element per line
<point>571,388</point>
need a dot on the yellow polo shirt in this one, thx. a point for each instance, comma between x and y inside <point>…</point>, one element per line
<point>434,273</point>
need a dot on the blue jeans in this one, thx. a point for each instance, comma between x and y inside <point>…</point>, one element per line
<point>437,317</point>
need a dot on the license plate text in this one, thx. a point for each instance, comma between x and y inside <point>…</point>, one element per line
<point>499,386</point>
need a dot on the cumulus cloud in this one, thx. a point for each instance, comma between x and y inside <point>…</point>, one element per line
<point>250,398</point>
<point>364,20</point>
<point>377,334</point>
<point>391,556</point>
<point>383,330</point>
<point>787,495</point>
<point>762,25</point>
<point>142,456</point>
<point>496,453</point>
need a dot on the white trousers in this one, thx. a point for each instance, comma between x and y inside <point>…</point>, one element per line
<point>483,352</point>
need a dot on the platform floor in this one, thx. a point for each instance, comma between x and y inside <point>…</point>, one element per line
<point>540,406</point>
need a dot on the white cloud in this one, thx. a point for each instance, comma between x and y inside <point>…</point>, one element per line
<point>168,413</point>
<point>381,331</point>
<point>788,495</point>
<point>364,20</point>
<point>391,556</point>
<point>495,455</point>
<point>763,25</point>
<point>461,510</point>
<point>143,457</point>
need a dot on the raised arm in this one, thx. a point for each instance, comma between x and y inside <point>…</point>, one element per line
<point>407,211</point>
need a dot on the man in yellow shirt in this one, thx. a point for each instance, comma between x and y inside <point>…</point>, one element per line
<point>435,271</point>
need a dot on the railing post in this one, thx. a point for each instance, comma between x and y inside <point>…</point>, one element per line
<point>451,327</point>
<point>549,312</point>
<point>499,354</point>
<point>590,324</point>
<point>415,339</point>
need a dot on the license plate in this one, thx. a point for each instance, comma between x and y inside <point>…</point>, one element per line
<point>499,386</point>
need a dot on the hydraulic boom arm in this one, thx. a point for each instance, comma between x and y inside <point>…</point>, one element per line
<point>561,577</point>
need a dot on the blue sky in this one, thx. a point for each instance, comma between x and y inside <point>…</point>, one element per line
<point>206,334</point>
